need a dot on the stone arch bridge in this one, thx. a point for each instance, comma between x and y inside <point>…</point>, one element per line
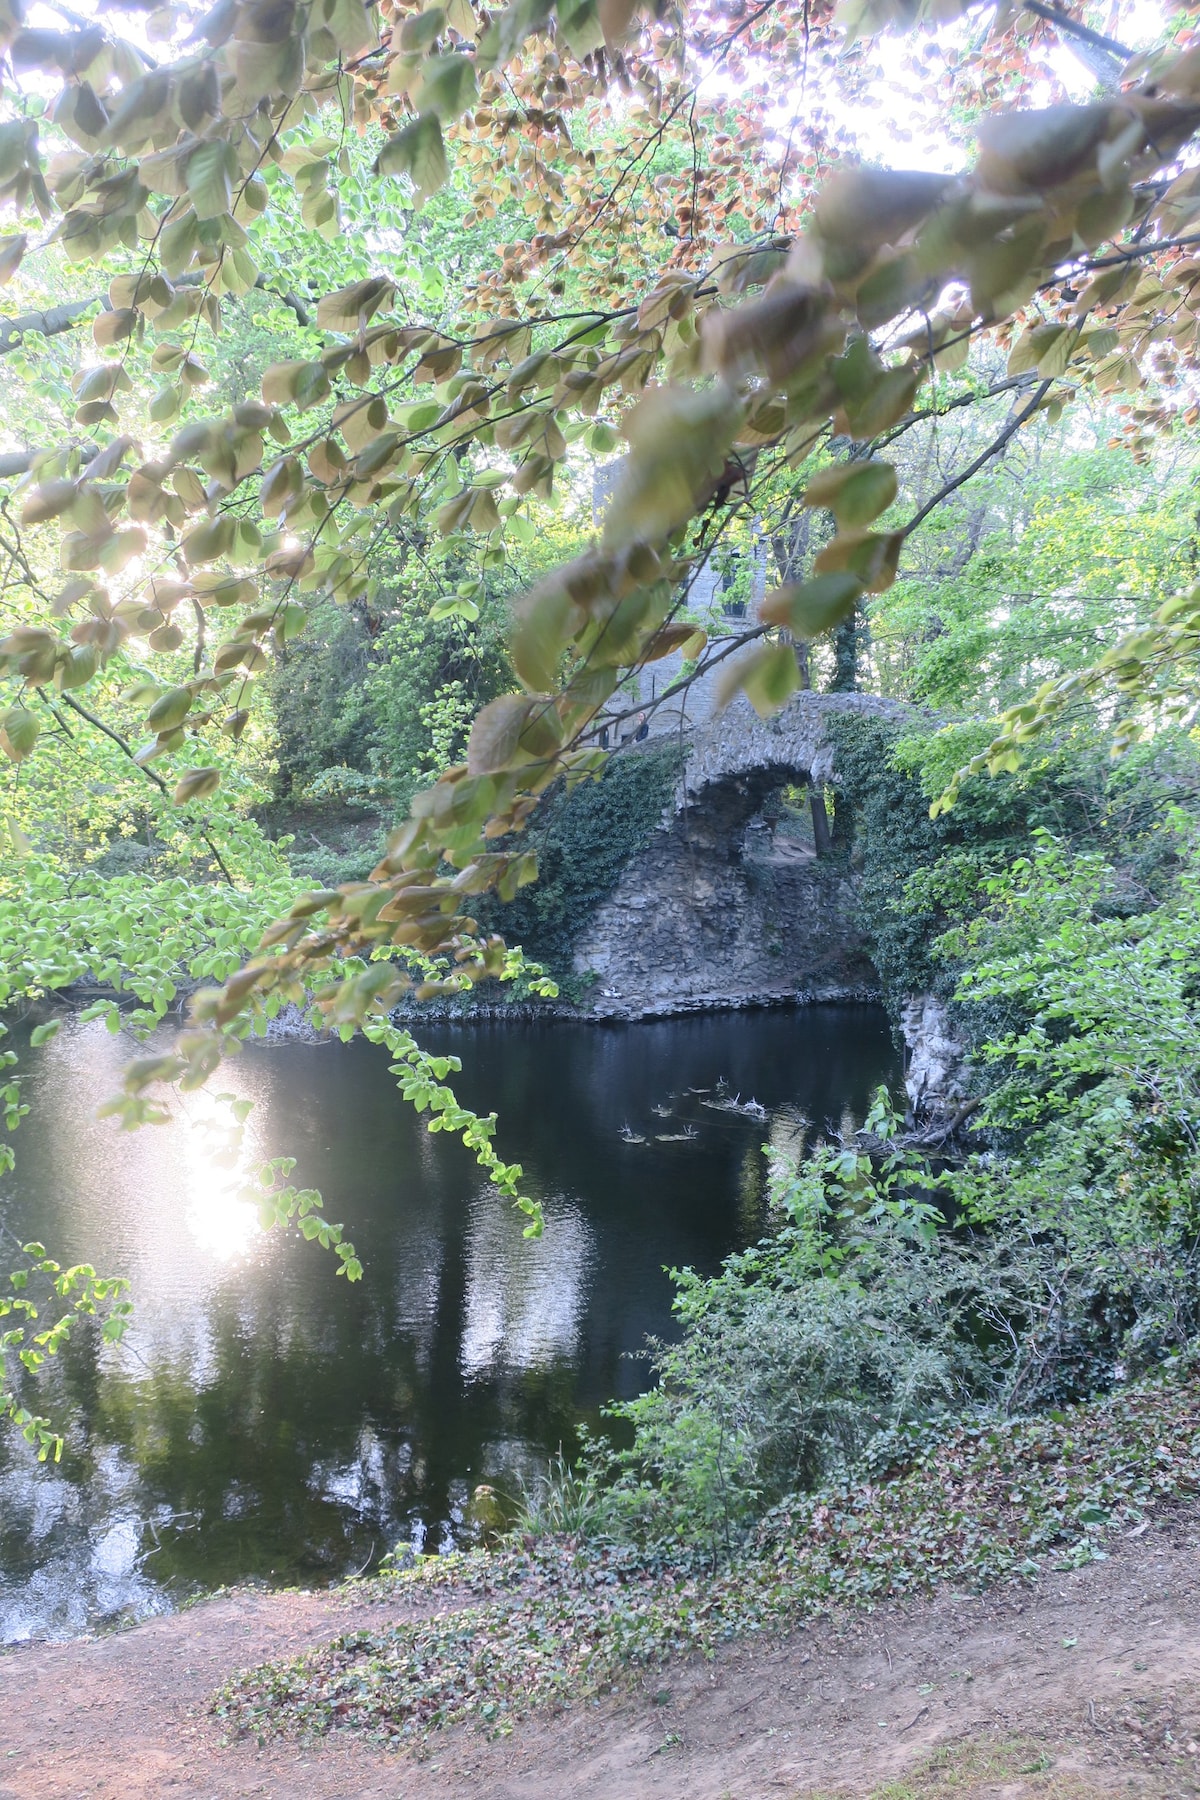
<point>714,912</point>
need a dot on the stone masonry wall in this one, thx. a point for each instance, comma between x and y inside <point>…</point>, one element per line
<point>698,920</point>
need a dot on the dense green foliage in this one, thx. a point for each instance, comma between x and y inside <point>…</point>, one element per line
<point>914,871</point>
<point>1095,1091</point>
<point>1033,572</point>
<point>375,699</point>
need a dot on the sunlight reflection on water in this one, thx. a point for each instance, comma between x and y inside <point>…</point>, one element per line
<point>264,1418</point>
<point>525,1298</point>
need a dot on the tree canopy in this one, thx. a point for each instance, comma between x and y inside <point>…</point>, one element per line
<point>317,299</point>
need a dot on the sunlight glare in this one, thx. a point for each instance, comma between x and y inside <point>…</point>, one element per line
<point>222,1222</point>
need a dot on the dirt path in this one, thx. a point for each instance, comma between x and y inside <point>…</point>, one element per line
<point>1086,1684</point>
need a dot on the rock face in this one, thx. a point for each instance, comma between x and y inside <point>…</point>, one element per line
<point>712,913</point>
<point>700,930</point>
<point>936,1065</point>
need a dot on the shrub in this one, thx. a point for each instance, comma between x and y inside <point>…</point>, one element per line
<point>851,1321</point>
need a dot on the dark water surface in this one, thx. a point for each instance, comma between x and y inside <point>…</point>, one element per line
<point>264,1419</point>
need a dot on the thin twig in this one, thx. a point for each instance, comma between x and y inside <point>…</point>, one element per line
<point>152,774</point>
<point>914,1721</point>
<point>1010,430</point>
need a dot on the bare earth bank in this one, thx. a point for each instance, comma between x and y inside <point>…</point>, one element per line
<point>1084,1684</point>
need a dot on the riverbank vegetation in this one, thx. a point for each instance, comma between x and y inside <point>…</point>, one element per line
<point>1047,1256</point>
<point>407,407</point>
<point>573,1615</point>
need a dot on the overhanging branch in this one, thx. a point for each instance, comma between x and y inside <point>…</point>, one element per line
<point>57,319</point>
<point>19,462</point>
<point>115,737</point>
<point>1075,28</point>
<point>994,448</point>
<point>50,323</point>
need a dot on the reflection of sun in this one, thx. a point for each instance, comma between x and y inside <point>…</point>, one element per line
<point>216,1169</point>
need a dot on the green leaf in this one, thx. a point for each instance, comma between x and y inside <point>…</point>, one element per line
<point>679,438</point>
<point>811,607</point>
<point>209,540</point>
<point>768,675</point>
<point>454,606</point>
<point>418,152</point>
<point>302,384</point>
<point>447,87</point>
<point>855,492</point>
<point>170,709</point>
<point>542,632</point>
<point>580,26</point>
<point>351,27</point>
<point>208,179</point>
<point>12,250</point>
<point>81,664</point>
<point>166,404</point>
<point>19,730</point>
<point>872,556</point>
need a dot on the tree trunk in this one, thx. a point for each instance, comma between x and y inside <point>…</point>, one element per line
<point>822,840</point>
<point>845,655</point>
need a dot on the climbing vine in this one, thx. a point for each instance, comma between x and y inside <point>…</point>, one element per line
<point>585,835</point>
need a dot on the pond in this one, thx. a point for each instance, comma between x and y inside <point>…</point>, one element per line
<point>265,1420</point>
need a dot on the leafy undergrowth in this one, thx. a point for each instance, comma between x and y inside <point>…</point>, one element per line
<point>557,1618</point>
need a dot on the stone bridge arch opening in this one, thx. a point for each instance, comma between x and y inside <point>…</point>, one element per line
<point>778,811</point>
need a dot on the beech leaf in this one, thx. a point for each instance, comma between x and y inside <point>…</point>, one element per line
<point>417,151</point>
<point>197,784</point>
<point>542,632</point>
<point>19,730</point>
<point>855,492</point>
<point>208,182</point>
<point>768,675</point>
<point>811,607</point>
<point>496,733</point>
<point>12,250</point>
<point>871,556</point>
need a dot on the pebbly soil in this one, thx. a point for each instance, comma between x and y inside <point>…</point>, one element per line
<point>1084,1684</point>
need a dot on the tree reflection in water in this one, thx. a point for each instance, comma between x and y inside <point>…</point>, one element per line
<point>264,1419</point>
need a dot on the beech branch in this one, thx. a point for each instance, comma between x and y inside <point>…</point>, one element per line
<point>994,448</point>
<point>1007,385</point>
<point>115,737</point>
<point>19,462</point>
<point>50,323</point>
<point>57,319</point>
<point>1075,28</point>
